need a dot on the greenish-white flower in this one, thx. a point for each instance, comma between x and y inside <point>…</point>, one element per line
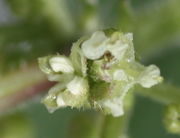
<point>100,72</point>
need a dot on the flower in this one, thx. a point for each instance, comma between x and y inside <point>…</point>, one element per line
<point>99,73</point>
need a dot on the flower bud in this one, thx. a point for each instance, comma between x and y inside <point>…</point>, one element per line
<point>172,118</point>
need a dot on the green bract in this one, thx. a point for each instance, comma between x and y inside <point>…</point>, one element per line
<point>98,74</point>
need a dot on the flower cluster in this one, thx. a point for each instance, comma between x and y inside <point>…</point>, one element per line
<point>99,73</point>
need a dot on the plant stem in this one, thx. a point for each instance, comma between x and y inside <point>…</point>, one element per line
<point>114,127</point>
<point>21,96</point>
<point>98,126</point>
<point>164,93</point>
<point>21,85</point>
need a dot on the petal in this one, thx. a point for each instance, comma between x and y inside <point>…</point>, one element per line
<point>150,76</point>
<point>114,106</point>
<point>122,46</point>
<point>61,64</point>
<point>50,100</point>
<point>77,86</point>
<point>118,50</point>
<point>120,75</point>
<point>94,47</point>
<point>60,101</point>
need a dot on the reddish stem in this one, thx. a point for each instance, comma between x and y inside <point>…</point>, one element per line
<point>23,95</point>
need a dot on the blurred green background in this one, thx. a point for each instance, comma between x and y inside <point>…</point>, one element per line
<point>33,28</point>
